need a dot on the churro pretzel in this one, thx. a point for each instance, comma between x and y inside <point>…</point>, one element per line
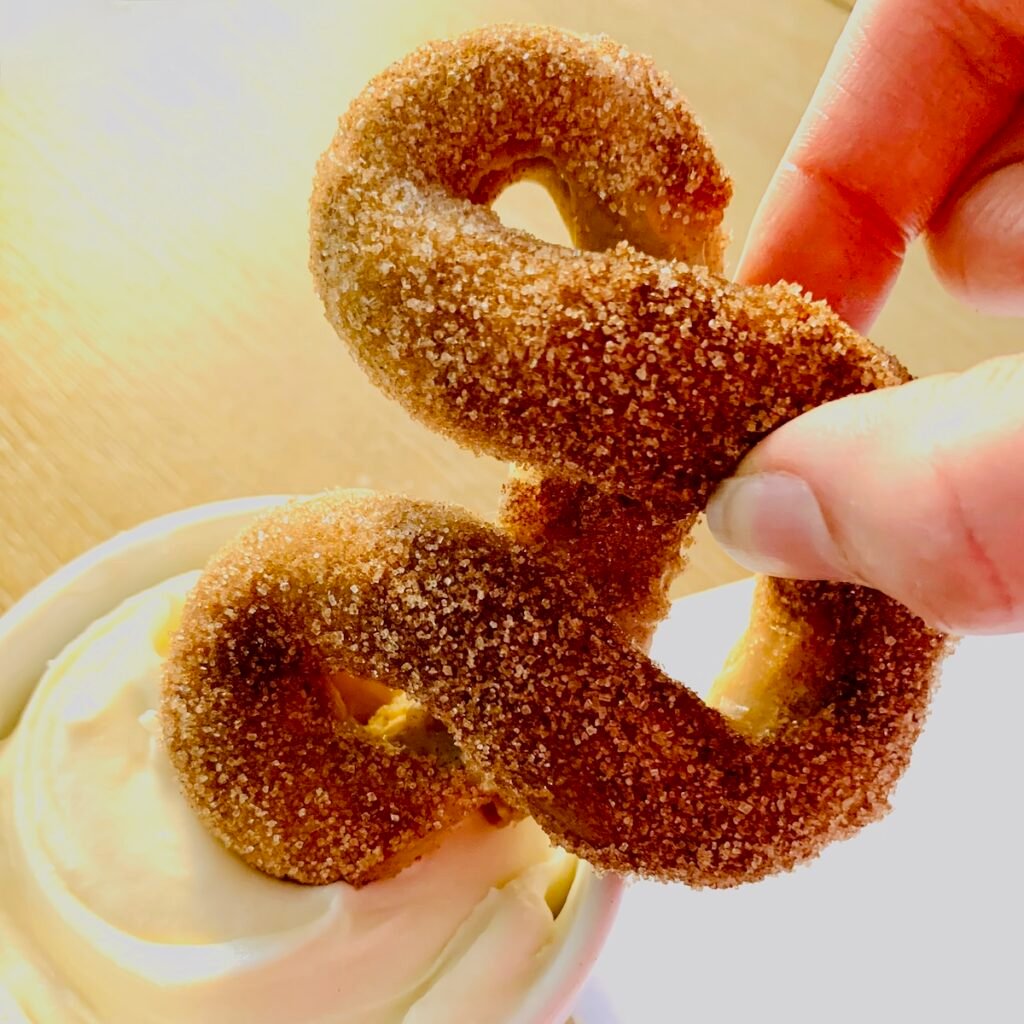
<point>625,381</point>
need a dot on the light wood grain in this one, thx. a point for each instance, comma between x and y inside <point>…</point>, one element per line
<point>160,343</point>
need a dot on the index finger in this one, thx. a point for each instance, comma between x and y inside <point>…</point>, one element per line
<point>913,90</point>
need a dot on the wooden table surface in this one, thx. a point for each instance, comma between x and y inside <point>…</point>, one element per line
<point>160,342</point>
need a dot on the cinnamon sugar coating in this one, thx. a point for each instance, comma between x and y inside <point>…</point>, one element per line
<point>266,755</point>
<point>546,698</point>
<point>626,380</point>
<point>648,376</point>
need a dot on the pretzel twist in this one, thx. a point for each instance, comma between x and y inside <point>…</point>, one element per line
<point>626,381</point>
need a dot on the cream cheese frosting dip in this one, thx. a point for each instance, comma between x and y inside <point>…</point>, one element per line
<point>118,907</point>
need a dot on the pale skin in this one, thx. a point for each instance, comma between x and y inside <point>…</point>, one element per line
<point>917,130</point>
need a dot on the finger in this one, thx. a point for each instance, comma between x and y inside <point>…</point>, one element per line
<point>917,491</point>
<point>914,89</point>
<point>976,241</point>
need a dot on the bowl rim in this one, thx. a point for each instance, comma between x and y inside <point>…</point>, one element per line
<point>38,626</point>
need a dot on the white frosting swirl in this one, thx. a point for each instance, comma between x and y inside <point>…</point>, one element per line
<point>117,906</point>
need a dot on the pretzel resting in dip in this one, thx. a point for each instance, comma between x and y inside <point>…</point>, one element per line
<point>624,379</point>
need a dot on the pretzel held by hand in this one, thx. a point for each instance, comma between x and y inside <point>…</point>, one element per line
<point>625,382</point>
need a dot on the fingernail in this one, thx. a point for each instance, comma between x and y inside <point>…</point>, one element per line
<point>772,523</point>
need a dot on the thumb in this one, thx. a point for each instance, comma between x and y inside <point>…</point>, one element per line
<point>917,491</point>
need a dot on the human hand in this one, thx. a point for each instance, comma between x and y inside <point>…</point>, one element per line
<point>917,127</point>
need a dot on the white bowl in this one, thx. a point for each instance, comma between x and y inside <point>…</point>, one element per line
<point>49,617</point>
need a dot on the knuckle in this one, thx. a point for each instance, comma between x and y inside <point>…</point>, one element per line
<point>973,586</point>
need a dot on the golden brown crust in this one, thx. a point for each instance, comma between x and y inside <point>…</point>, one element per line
<point>645,375</point>
<point>546,698</point>
<point>252,724</point>
<point>612,544</point>
<point>628,384</point>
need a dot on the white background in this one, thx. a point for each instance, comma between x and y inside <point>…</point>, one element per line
<point>917,918</point>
